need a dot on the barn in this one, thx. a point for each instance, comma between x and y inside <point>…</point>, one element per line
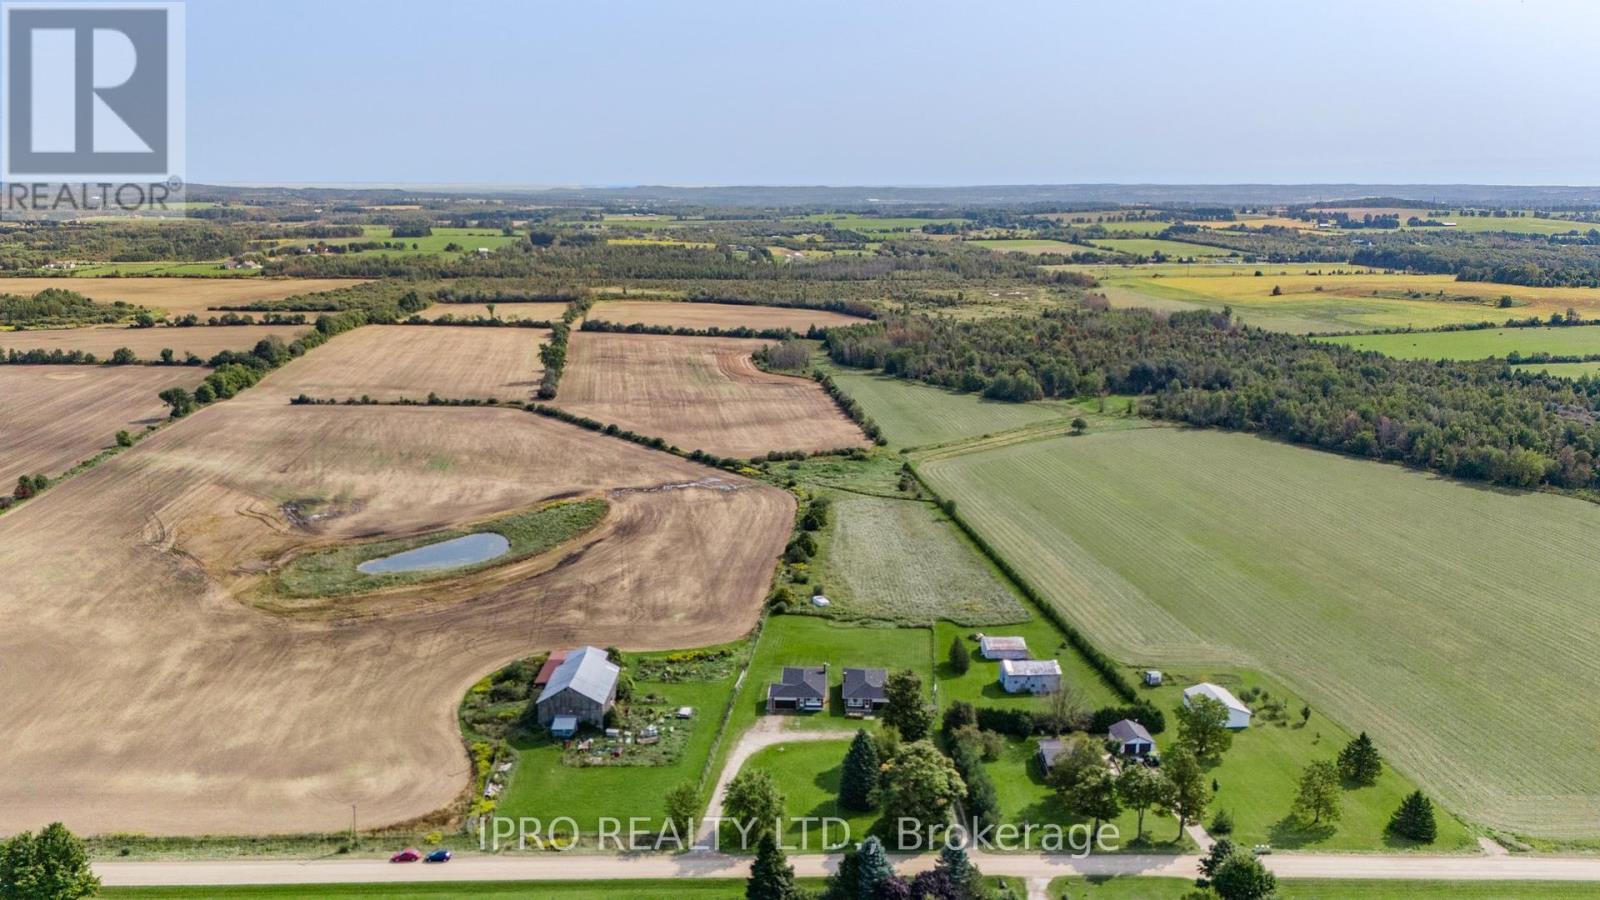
<point>1030,676</point>
<point>1238,713</point>
<point>584,687</point>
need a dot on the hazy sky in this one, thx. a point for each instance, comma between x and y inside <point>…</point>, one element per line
<point>866,92</point>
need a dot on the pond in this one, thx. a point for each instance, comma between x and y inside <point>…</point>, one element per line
<point>462,551</point>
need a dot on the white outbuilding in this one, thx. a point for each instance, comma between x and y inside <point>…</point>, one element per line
<point>1030,676</point>
<point>1002,647</point>
<point>1238,713</point>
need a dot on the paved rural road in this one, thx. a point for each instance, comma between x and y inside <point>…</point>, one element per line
<point>709,865</point>
<point>767,732</point>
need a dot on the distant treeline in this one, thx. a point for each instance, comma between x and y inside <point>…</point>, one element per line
<point>58,307</point>
<point>1472,420</point>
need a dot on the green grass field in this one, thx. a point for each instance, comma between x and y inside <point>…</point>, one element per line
<point>865,573</point>
<point>1563,370</point>
<point>1151,246</point>
<point>917,415</point>
<point>469,239</point>
<point>1141,888</point>
<point>201,269</point>
<point>1381,595</point>
<point>1511,224</point>
<point>1480,344</point>
<point>1024,245</point>
<point>807,774</point>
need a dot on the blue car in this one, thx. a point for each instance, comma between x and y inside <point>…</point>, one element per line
<point>438,856</point>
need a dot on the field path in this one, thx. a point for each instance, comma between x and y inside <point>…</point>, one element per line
<point>768,731</point>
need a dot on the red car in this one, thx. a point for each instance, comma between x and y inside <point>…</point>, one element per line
<point>407,855</point>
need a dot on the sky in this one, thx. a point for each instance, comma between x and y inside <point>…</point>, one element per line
<point>597,93</point>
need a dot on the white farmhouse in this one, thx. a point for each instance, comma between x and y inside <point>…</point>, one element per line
<point>1238,713</point>
<point>1030,676</point>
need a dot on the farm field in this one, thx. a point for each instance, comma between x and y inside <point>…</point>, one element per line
<point>699,393</point>
<point>214,269</point>
<point>866,575</point>
<point>178,296</point>
<point>701,316</point>
<point>1152,246</point>
<point>510,312</point>
<point>259,719</point>
<point>469,239</point>
<point>393,362</point>
<point>918,415</point>
<point>54,417</point>
<point>1563,370</point>
<point>1222,548</point>
<point>1024,245</point>
<point>1581,340</point>
<point>1309,303</point>
<point>874,224</point>
<point>204,341</point>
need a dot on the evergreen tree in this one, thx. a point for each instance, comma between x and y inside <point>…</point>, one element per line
<point>872,868</point>
<point>1242,877</point>
<point>1414,819</point>
<point>960,657</point>
<point>958,868</point>
<point>845,882</point>
<point>906,711</point>
<point>771,876</point>
<point>860,776</point>
<point>1359,762</point>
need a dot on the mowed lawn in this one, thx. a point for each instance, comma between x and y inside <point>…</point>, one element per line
<point>918,415</point>
<point>1451,621</point>
<point>1141,888</point>
<point>642,889</point>
<point>807,774</point>
<point>1480,343</point>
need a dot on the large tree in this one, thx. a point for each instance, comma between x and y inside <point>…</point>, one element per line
<point>859,779</point>
<point>906,711</point>
<point>52,865</point>
<point>872,869</point>
<point>1190,792</point>
<point>1317,797</point>
<point>683,802</point>
<point>752,796</point>
<point>1203,727</point>
<point>1140,788</point>
<point>1096,797</point>
<point>922,784</point>
<point>1242,877</point>
<point>1359,762</point>
<point>771,876</point>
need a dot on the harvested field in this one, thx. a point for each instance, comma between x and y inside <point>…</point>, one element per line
<point>146,697</point>
<point>203,341</point>
<point>699,393</point>
<point>53,417</point>
<point>509,312</point>
<point>701,316</point>
<point>179,296</point>
<point>1383,596</point>
<point>393,362</point>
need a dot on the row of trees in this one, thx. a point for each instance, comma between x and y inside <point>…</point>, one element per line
<point>1475,420</point>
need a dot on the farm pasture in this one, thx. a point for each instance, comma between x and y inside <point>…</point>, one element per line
<point>1152,246</point>
<point>178,296</point>
<point>203,341</point>
<point>394,362</point>
<point>53,417</point>
<point>1563,370</point>
<point>1319,300</point>
<point>1379,594</point>
<point>509,312</point>
<point>912,414</point>
<point>699,393</point>
<point>1022,245</point>
<point>1480,343</point>
<point>146,694</point>
<point>702,316</point>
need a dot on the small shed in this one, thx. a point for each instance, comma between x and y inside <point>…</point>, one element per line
<point>1152,677</point>
<point>1238,713</point>
<point>1132,739</point>
<point>1030,676</point>
<point>996,647</point>
<point>1049,749</point>
<point>563,726</point>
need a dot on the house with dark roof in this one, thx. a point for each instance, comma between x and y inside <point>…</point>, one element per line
<point>864,692</point>
<point>1132,739</point>
<point>1049,749</point>
<point>801,689</point>
<point>583,686</point>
